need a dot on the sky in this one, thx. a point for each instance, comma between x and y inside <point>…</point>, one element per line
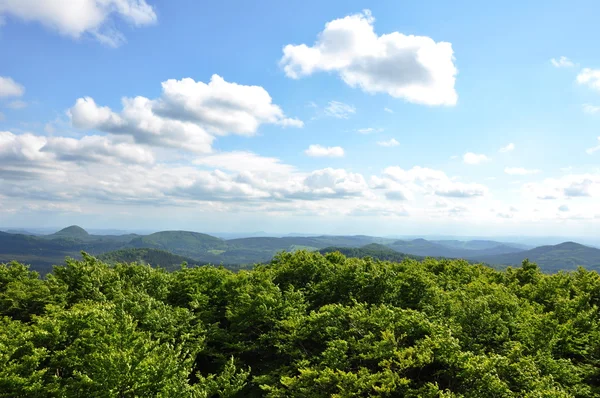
<point>337,117</point>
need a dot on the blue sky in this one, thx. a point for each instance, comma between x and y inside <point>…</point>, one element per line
<point>335,117</point>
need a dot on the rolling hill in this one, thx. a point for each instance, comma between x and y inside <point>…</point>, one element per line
<point>564,256</point>
<point>153,257</point>
<point>374,250</point>
<point>422,247</point>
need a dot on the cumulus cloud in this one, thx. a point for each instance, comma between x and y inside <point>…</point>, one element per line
<point>520,171</point>
<point>10,88</point>
<point>187,116</point>
<point>244,161</point>
<point>430,181</point>
<point>594,148</point>
<point>562,62</point>
<point>84,17</point>
<point>32,150</point>
<point>389,143</point>
<point>474,158</point>
<point>339,110</point>
<point>508,148</point>
<point>589,77</point>
<point>460,190</point>
<point>567,186</point>
<point>321,151</point>
<point>415,68</point>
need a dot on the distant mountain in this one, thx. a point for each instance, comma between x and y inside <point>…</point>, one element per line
<point>374,250</point>
<point>564,256</point>
<point>422,247</point>
<point>482,244</point>
<point>74,231</point>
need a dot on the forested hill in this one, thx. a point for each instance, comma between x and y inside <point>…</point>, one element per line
<point>304,325</point>
<point>44,251</point>
<point>564,256</point>
<point>374,250</point>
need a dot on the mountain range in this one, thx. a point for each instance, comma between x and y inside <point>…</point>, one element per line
<point>169,248</point>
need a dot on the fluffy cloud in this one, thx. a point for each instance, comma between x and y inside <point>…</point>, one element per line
<point>474,158</point>
<point>429,181</point>
<point>43,151</point>
<point>388,110</point>
<point>339,110</point>
<point>368,130</point>
<point>508,148</point>
<point>9,87</point>
<point>520,171</point>
<point>562,62</point>
<point>187,116</point>
<point>415,68</point>
<point>460,190</point>
<point>568,186</point>
<point>244,161</point>
<point>83,16</point>
<point>389,143</point>
<point>321,151</point>
<point>594,149</point>
<point>589,77</point>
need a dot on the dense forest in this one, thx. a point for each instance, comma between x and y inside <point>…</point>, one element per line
<point>303,325</point>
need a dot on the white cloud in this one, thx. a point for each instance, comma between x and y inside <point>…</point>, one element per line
<point>429,181</point>
<point>520,171</point>
<point>321,151</point>
<point>244,161</point>
<point>460,190</point>
<point>474,158</point>
<point>508,148</point>
<point>594,149</point>
<point>591,109</point>
<point>562,62</point>
<point>369,130</point>
<point>10,88</point>
<point>389,143</point>
<point>415,68</point>
<point>187,116</point>
<point>29,148</point>
<point>388,110</point>
<point>589,77</point>
<point>93,17</point>
<point>339,110</point>
<point>566,186</point>
<point>17,104</point>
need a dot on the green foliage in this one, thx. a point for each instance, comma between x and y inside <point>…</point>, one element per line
<point>304,325</point>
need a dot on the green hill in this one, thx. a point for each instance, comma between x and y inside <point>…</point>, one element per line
<point>74,231</point>
<point>154,257</point>
<point>184,243</point>
<point>374,250</point>
<point>564,256</point>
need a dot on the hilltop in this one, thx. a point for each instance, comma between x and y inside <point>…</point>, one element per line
<point>74,231</point>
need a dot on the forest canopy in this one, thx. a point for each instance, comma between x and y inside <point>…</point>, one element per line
<point>304,325</point>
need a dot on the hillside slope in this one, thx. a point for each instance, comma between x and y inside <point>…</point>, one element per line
<point>564,256</point>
